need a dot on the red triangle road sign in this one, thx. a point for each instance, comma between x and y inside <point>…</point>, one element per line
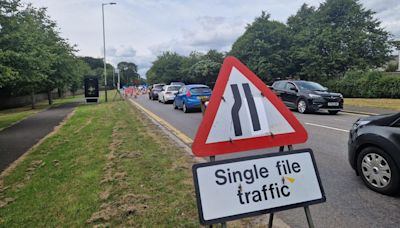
<point>244,114</point>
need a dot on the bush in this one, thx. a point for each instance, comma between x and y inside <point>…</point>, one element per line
<point>371,84</point>
<point>392,66</point>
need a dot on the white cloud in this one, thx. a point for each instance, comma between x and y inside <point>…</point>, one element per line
<point>139,30</point>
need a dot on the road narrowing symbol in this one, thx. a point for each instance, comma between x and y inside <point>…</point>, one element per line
<point>243,114</point>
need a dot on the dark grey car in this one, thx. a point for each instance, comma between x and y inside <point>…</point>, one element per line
<point>374,152</point>
<point>154,90</point>
<point>306,96</point>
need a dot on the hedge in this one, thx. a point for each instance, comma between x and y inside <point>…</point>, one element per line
<point>371,84</point>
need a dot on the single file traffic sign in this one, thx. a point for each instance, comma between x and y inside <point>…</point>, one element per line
<point>249,186</point>
<point>244,114</point>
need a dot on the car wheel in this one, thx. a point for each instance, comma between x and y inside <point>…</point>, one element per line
<point>174,105</point>
<point>185,109</point>
<point>333,112</point>
<point>302,106</point>
<point>378,171</point>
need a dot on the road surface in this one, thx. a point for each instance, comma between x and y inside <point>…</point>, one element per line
<point>349,202</point>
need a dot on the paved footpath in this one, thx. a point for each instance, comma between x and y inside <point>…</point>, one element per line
<point>18,138</point>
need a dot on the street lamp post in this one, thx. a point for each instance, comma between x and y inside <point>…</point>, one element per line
<point>104,47</point>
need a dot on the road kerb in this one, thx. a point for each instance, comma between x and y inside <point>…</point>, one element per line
<point>176,135</point>
<point>186,139</point>
<point>360,113</point>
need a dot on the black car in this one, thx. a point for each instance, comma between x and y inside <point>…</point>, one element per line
<point>154,90</point>
<point>306,96</point>
<point>374,152</point>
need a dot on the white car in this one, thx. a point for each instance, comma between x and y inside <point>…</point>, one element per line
<point>168,93</point>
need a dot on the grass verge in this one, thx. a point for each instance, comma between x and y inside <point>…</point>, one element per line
<point>393,104</point>
<point>10,116</point>
<point>106,166</point>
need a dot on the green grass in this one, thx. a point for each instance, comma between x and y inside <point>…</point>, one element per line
<point>107,165</point>
<point>393,104</point>
<point>10,116</point>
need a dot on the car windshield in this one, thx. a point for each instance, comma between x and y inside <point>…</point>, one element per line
<point>310,86</point>
<point>173,88</point>
<point>200,90</point>
<point>158,87</point>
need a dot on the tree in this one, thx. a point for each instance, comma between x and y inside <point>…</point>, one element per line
<point>33,56</point>
<point>166,68</point>
<point>338,36</point>
<point>128,71</point>
<point>264,48</point>
<point>205,72</point>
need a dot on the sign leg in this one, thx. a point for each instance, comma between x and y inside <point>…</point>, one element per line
<point>308,215</point>
<point>271,219</point>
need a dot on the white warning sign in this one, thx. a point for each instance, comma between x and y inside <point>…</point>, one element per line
<point>242,187</point>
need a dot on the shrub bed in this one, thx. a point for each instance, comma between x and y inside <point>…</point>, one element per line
<point>372,84</point>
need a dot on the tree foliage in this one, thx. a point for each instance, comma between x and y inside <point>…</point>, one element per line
<point>33,56</point>
<point>338,36</point>
<point>195,68</point>
<point>264,48</point>
<point>129,73</point>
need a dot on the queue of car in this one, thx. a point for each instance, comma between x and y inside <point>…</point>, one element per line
<point>374,142</point>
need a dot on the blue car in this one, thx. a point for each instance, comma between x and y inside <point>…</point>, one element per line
<point>189,97</point>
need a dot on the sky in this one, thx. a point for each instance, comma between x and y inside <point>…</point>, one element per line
<point>139,30</point>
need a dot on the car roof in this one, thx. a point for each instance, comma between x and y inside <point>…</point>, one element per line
<point>292,81</point>
<point>196,85</point>
<point>173,85</point>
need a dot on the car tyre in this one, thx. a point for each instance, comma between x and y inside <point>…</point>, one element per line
<point>378,171</point>
<point>333,112</point>
<point>184,108</point>
<point>302,106</point>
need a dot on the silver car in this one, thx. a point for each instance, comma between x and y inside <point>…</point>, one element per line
<point>168,93</point>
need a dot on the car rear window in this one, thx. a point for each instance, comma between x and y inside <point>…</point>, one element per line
<point>200,90</point>
<point>158,86</point>
<point>173,88</point>
<point>278,85</point>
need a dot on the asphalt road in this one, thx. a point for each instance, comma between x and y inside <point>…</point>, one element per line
<point>349,202</point>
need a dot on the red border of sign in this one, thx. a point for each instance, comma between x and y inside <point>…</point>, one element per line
<point>199,146</point>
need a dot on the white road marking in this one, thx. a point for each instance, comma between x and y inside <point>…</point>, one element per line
<point>327,127</point>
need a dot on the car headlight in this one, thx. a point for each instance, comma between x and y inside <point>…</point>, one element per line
<point>360,123</point>
<point>314,95</point>
<point>340,95</point>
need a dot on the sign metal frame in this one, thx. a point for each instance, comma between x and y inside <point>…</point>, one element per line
<point>260,212</point>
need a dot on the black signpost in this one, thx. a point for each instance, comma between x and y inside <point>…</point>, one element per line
<point>91,89</point>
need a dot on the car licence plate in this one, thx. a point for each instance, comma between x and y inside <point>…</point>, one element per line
<point>202,98</point>
<point>333,103</point>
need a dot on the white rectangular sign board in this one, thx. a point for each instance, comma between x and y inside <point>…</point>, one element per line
<point>243,187</point>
